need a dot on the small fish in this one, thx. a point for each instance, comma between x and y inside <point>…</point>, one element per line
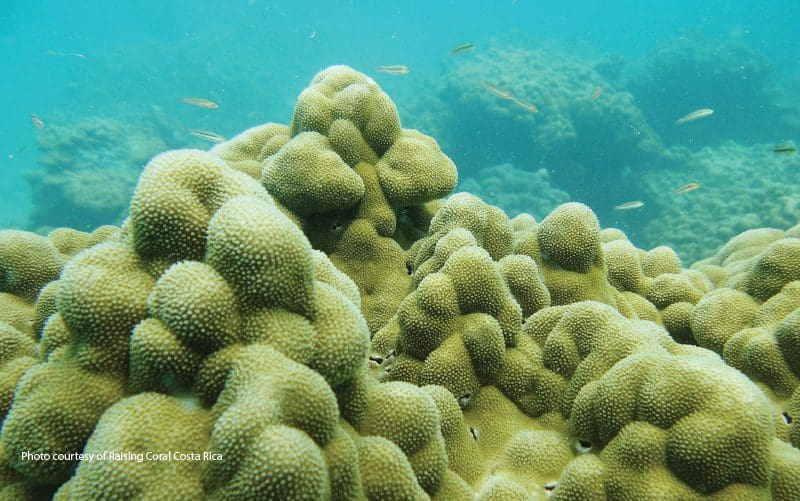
<point>65,54</point>
<point>199,101</point>
<point>596,93</point>
<point>686,188</point>
<point>497,91</point>
<point>629,205</point>
<point>394,69</point>
<point>74,175</point>
<point>525,105</point>
<point>784,148</point>
<point>207,135</point>
<point>464,47</point>
<point>695,115</point>
<point>37,121</point>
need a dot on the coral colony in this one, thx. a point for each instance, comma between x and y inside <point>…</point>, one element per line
<point>300,313</point>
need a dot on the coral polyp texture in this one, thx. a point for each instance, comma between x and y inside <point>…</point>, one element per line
<point>356,181</point>
<point>299,314</point>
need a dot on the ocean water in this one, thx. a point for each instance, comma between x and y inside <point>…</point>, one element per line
<point>107,81</point>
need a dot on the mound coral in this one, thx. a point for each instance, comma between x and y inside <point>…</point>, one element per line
<point>29,265</point>
<point>354,179</point>
<point>211,311</point>
<point>217,344</point>
<point>752,318</point>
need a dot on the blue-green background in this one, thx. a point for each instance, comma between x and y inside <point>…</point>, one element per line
<point>254,57</point>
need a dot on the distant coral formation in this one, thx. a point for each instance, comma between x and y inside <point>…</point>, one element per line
<point>726,74</point>
<point>298,313</point>
<point>742,187</point>
<point>605,133</point>
<point>88,168</point>
<point>573,136</point>
<point>515,190</point>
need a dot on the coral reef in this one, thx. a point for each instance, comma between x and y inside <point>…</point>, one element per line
<point>573,136</point>
<point>742,187</point>
<point>727,75</point>
<point>232,320</point>
<point>88,167</point>
<point>353,178</point>
<point>515,190</point>
<point>29,265</point>
<point>753,318</point>
<point>624,145</point>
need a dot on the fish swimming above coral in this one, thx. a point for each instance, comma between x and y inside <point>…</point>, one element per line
<point>695,115</point>
<point>394,69</point>
<point>460,49</point>
<point>225,335</point>
<point>525,105</point>
<point>200,102</point>
<point>37,121</point>
<point>207,135</point>
<point>687,188</point>
<point>494,89</point>
<point>636,204</point>
<point>785,148</point>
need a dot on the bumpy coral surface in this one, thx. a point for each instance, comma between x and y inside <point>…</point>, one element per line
<point>296,315</point>
<point>353,177</point>
<point>211,311</point>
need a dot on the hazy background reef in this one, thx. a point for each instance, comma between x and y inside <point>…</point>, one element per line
<point>621,146</point>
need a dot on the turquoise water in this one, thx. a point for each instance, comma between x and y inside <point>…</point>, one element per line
<point>122,68</point>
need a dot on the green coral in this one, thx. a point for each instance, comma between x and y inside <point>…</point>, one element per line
<point>579,370</point>
<point>27,263</point>
<point>353,179</point>
<point>174,200</point>
<point>212,312</point>
<point>18,353</point>
<point>514,359</point>
<point>685,392</point>
<point>566,245</point>
<point>145,430</point>
<point>751,319</point>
